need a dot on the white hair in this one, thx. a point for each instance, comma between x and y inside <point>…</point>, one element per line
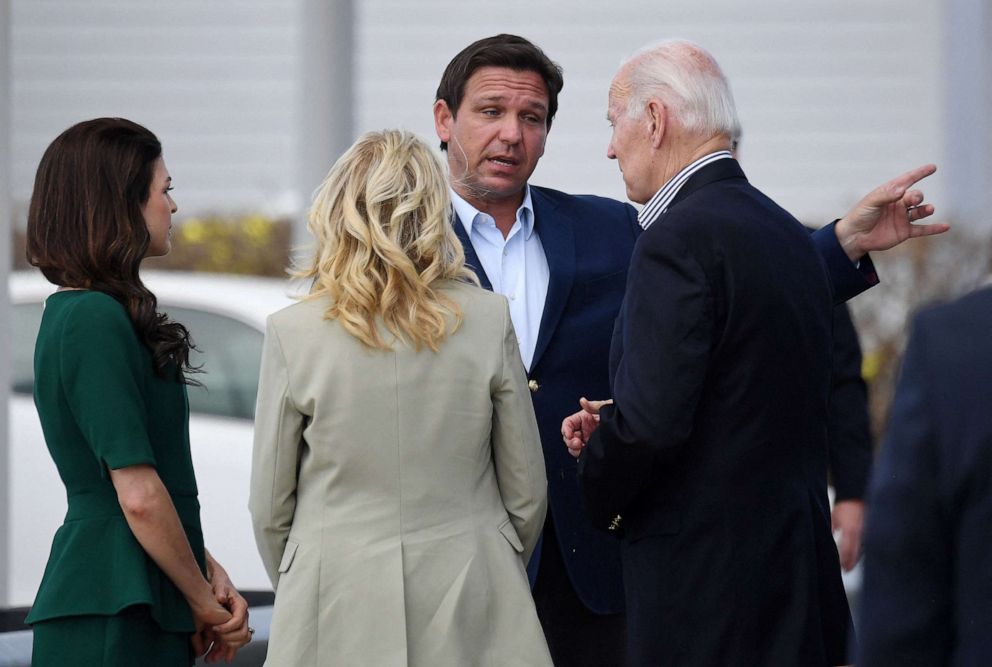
<point>688,80</point>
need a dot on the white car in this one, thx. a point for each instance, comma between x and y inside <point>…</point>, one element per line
<point>226,318</point>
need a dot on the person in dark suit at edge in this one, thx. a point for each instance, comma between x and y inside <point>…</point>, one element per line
<point>562,261</point>
<point>848,438</point>
<point>713,459</point>
<point>928,572</point>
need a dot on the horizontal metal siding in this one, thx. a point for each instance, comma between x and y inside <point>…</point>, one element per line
<point>216,81</point>
<point>834,97</point>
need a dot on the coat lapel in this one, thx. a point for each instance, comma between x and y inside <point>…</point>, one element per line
<point>558,242</point>
<point>559,249</point>
<point>471,259</point>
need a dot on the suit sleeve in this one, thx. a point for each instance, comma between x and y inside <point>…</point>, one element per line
<point>846,279</point>
<point>517,454</point>
<point>666,331</point>
<point>906,606</point>
<point>848,432</point>
<point>275,456</point>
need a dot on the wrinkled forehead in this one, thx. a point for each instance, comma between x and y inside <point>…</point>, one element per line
<point>620,86</point>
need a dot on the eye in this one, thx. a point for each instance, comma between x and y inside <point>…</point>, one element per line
<point>490,112</point>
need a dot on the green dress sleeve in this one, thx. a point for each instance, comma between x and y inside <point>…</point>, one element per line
<point>103,370</point>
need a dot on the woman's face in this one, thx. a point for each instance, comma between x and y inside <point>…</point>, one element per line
<point>158,211</point>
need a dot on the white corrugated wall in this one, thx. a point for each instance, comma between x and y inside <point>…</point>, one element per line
<point>216,81</point>
<point>834,97</point>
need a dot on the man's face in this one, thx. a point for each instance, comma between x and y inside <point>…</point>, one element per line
<point>629,146</point>
<point>498,135</point>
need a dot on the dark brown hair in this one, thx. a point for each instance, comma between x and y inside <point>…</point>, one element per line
<point>86,229</point>
<point>503,50</point>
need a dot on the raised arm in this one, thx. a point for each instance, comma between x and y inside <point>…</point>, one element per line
<point>886,216</point>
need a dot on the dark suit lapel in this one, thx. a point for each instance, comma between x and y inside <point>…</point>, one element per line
<point>471,259</point>
<point>558,242</point>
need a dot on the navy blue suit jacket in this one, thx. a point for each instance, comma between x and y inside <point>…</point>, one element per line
<point>927,597</point>
<point>587,241</point>
<point>715,453</point>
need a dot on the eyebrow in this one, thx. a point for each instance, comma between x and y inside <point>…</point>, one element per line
<point>494,99</point>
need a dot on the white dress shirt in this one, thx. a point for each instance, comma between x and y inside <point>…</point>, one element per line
<point>516,266</point>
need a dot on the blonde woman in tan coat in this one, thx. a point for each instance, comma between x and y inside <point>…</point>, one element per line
<point>398,485</point>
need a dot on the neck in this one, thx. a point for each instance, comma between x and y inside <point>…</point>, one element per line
<point>502,209</point>
<point>686,150</point>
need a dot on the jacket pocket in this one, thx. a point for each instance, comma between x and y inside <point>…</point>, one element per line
<point>287,557</point>
<point>612,283</point>
<point>654,523</point>
<point>511,536</point>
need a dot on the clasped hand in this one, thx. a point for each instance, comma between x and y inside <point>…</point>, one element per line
<point>222,628</point>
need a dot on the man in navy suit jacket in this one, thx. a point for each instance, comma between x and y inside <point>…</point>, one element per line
<point>562,261</point>
<point>713,459</point>
<point>927,597</point>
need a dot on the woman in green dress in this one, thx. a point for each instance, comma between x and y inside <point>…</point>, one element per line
<point>128,581</point>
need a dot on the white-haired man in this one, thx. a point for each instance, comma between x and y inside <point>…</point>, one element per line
<point>714,452</point>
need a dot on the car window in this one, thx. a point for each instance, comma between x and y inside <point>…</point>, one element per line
<point>25,318</point>
<point>229,352</point>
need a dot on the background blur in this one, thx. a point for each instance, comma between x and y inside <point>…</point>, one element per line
<point>254,99</point>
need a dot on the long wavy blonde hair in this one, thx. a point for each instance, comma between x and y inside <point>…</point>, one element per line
<point>381,223</point>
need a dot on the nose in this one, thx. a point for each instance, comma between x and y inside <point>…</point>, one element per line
<point>509,131</point>
<point>610,153</point>
<point>173,208</point>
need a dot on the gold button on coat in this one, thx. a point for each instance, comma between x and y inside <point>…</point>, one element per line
<point>533,386</point>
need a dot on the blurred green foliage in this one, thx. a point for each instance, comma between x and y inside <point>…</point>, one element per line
<point>251,244</point>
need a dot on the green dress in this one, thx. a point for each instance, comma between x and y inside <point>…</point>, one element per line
<point>102,600</point>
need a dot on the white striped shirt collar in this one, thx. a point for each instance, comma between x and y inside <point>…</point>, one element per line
<point>663,198</point>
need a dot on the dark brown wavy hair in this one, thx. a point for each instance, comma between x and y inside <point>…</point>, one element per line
<point>86,229</point>
<point>510,51</point>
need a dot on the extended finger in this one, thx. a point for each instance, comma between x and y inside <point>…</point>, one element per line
<point>906,180</point>
<point>593,407</point>
<point>916,231</point>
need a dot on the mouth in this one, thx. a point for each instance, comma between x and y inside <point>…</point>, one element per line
<point>503,161</point>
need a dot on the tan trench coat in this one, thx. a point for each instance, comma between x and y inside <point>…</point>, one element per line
<point>396,496</point>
